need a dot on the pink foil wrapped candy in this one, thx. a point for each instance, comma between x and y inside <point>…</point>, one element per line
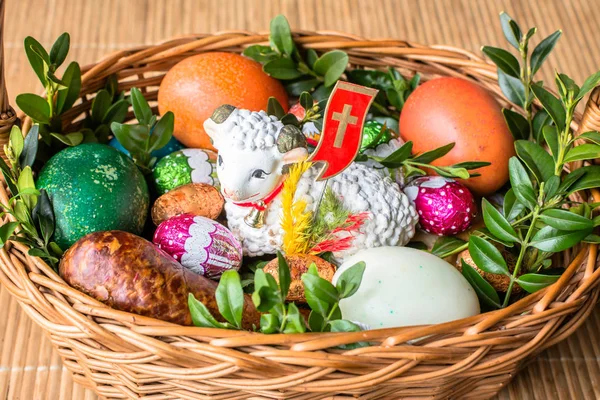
<point>200,244</point>
<point>445,207</point>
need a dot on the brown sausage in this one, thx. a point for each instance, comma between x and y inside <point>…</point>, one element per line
<point>129,273</point>
<point>193,198</point>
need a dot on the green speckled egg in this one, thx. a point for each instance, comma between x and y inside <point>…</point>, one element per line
<point>94,187</point>
<point>183,167</point>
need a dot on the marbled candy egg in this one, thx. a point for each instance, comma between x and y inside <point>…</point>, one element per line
<point>171,146</point>
<point>445,207</point>
<point>94,187</point>
<point>402,286</point>
<point>200,244</point>
<point>183,167</point>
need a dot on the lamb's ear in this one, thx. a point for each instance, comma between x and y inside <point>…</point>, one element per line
<point>219,116</point>
<point>295,156</point>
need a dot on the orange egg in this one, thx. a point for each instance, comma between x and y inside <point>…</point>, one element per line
<point>196,86</point>
<point>446,110</point>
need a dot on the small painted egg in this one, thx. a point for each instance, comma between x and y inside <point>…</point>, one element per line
<point>171,146</point>
<point>183,167</point>
<point>445,207</point>
<point>200,244</point>
<point>402,286</point>
<point>194,198</point>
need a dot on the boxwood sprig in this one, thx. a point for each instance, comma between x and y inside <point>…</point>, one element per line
<point>31,208</point>
<point>537,218</point>
<point>300,72</point>
<point>279,316</point>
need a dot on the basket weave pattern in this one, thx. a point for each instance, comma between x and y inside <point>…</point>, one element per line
<point>121,355</point>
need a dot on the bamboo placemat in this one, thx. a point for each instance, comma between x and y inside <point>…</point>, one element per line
<point>31,369</point>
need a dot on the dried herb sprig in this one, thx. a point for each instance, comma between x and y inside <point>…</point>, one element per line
<point>31,208</point>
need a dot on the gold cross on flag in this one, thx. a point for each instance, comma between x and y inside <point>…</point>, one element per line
<point>345,118</point>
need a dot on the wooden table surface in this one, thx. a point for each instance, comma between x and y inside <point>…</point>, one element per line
<point>31,369</point>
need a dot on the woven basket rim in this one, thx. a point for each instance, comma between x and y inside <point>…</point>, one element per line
<point>62,311</point>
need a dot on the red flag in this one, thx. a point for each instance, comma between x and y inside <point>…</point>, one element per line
<point>343,122</point>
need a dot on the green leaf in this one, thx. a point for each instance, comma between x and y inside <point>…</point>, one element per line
<point>582,179</point>
<point>141,108</point>
<point>316,322</point>
<point>485,291</point>
<point>201,316</point>
<point>554,240</point>
<point>446,244</point>
<point>281,35</point>
<point>487,235</point>
<point>72,80</point>
<point>331,65</point>
<point>16,141</point>
<point>551,187</point>
<point>30,147</point>
<point>512,208</point>
<point>269,323</point>
<point>294,322</point>
<point>592,238</point>
<point>260,53</point>
<point>583,152</point>
<point>472,164</point>
<point>567,88</point>
<point>566,220</point>
<point>320,294</point>
<point>6,231</point>
<point>517,124</point>
<point>37,56</point>
<point>100,105</point>
<point>540,120</point>
<point>35,107</point>
<point>521,184</point>
<point>538,161</point>
<point>43,216</point>
<point>230,297</point>
<point>306,101</point>
<point>551,138</point>
<point>396,159</point>
<point>497,224</point>
<point>342,325</point>
<point>531,283</point>
<point>592,136</point>
<point>434,154</point>
<point>487,257</point>
<point>70,139</point>
<point>349,281</point>
<point>511,30</point>
<point>551,104</point>
<point>60,49</point>
<point>590,83</point>
<point>451,172</point>
<point>25,182</point>
<point>162,132</point>
<point>284,275</point>
<point>311,58</point>
<point>296,88</point>
<point>322,92</point>
<point>282,68</point>
<point>265,295</point>
<point>274,108</point>
<point>542,50</point>
<point>116,113</point>
<point>512,88</point>
<point>504,60</point>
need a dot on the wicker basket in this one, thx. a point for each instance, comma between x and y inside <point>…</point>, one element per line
<point>121,355</point>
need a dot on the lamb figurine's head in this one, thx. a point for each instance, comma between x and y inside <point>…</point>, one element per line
<point>253,150</point>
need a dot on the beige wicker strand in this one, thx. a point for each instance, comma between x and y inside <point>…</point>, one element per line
<point>8,117</point>
<point>121,355</point>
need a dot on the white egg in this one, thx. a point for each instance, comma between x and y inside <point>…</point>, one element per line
<point>402,286</point>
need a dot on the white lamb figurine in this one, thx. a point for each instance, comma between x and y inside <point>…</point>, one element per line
<point>254,152</point>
